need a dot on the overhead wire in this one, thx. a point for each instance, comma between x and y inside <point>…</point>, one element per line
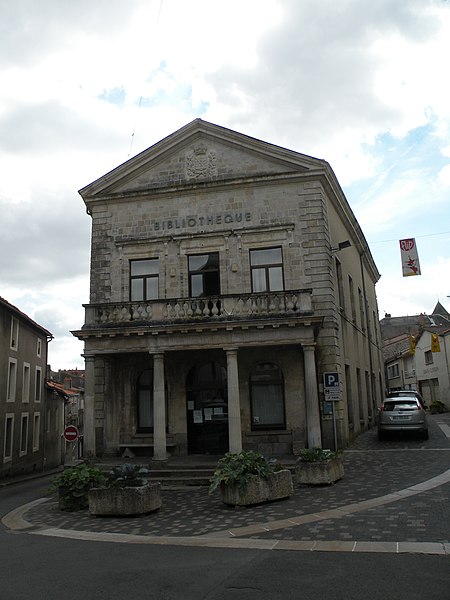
<point>416,237</point>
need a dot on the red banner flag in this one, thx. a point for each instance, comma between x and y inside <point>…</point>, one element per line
<point>410,258</point>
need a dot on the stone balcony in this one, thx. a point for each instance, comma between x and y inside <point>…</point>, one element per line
<point>223,308</point>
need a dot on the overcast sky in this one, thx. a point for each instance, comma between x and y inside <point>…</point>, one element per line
<point>88,84</point>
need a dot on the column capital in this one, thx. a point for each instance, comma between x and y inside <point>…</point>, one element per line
<point>88,357</point>
<point>231,349</point>
<point>310,347</point>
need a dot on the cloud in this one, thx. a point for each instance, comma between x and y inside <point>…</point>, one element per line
<point>319,73</point>
<point>44,241</point>
<point>444,177</point>
<point>23,23</point>
<point>87,84</point>
<point>399,295</point>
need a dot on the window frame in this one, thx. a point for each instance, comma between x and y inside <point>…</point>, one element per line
<point>14,338</point>
<point>144,277</point>
<point>12,380</point>
<point>38,384</point>
<point>267,268</point>
<point>351,291</point>
<point>8,452</point>
<point>36,431</point>
<point>279,381</point>
<point>23,447</point>
<point>393,371</point>
<point>428,357</point>
<point>208,272</point>
<point>140,387</point>
<point>340,285</point>
<point>26,382</point>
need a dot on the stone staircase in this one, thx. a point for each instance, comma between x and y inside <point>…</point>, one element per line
<point>186,471</point>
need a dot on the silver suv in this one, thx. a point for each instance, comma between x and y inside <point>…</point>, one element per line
<point>404,413</point>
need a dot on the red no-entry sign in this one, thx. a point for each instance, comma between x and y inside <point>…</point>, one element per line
<point>71,433</point>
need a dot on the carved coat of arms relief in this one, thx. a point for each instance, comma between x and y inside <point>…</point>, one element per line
<point>200,163</point>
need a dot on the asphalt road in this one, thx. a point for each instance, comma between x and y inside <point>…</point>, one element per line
<point>35,567</point>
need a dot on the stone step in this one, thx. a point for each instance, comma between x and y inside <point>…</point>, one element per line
<point>171,482</point>
<point>178,472</point>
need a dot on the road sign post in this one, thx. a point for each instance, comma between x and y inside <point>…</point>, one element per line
<point>71,437</point>
<point>71,433</point>
<point>332,391</point>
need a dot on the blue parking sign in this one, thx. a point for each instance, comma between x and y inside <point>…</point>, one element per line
<point>331,381</point>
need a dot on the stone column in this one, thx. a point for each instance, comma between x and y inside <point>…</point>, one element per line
<point>312,399</point>
<point>89,412</point>
<point>159,409</point>
<point>234,405</point>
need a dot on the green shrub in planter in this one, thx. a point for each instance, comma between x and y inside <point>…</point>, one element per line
<point>239,468</point>
<point>127,475</point>
<point>247,478</point>
<point>317,454</point>
<point>73,485</point>
<point>317,466</point>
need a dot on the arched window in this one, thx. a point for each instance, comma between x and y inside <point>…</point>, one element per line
<point>145,401</point>
<point>267,397</point>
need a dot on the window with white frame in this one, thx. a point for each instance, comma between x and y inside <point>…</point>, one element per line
<point>36,431</point>
<point>26,382</point>
<point>428,357</point>
<point>393,371</point>
<point>8,437</point>
<point>23,434</point>
<point>39,347</point>
<point>14,341</point>
<point>38,385</point>
<point>12,380</point>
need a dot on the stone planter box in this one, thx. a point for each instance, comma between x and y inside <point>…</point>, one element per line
<point>319,473</point>
<point>259,489</point>
<point>117,501</point>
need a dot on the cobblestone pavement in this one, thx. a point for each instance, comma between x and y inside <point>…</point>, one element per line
<point>372,469</point>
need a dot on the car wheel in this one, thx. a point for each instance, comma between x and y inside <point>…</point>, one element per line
<point>425,434</point>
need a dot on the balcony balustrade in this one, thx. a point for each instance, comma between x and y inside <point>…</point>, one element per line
<point>190,310</point>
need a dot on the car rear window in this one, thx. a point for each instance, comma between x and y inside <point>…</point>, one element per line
<point>400,404</point>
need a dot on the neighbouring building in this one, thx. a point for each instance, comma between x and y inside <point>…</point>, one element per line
<point>228,275</point>
<point>423,366</point>
<point>23,362</point>
<point>56,401</point>
<point>72,383</point>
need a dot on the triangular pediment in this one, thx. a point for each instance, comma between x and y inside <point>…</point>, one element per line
<point>197,153</point>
